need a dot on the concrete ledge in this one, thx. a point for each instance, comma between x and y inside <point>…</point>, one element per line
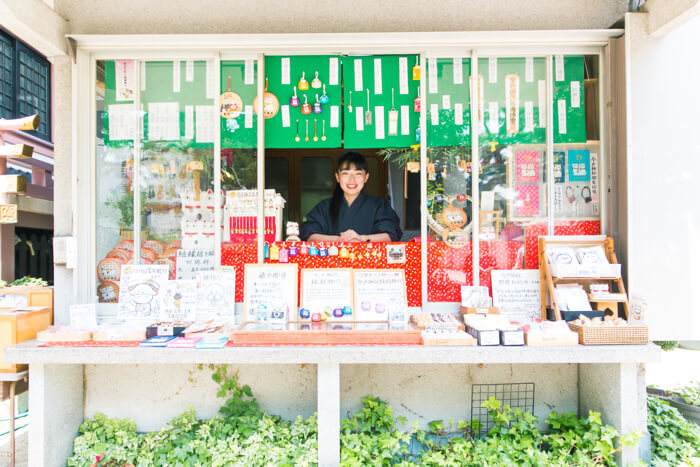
<point>29,352</point>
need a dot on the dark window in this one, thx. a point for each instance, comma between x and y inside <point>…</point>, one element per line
<point>25,84</point>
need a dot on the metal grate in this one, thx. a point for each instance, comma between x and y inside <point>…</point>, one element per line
<point>7,78</point>
<point>34,88</point>
<point>515,395</point>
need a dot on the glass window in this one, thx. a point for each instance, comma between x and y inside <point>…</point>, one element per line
<point>317,181</point>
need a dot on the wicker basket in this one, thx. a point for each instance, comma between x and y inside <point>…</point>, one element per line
<point>601,335</point>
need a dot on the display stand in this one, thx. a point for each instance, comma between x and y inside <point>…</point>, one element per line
<point>548,281</point>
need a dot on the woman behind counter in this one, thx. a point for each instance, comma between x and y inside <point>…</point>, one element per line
<point>350,215</point>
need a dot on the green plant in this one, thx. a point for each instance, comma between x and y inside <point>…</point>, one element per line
<point>667,345</point>
<point>28,281</point>
<point>124,202</point>
<point>690,393</point>
<point>674,440</point>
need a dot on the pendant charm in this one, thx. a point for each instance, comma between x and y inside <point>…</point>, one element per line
<point>293,251</point>
<point>379,308</point>
<point>266,253</point>
<point>306,107</point>
<point>316,83</point>
<point>333,251</point>
<point>461,197</point>
<point>284,255</point>
<point>347,310</point>
<point>343,252</point>
<point>303,84</point>
<point>368,113</point>
<point>324,98</point>
<point>317,106</point>
<point>416,71</point>
<point>313,251</point>
<point>304,313</point>
<point>274,253</point>
<point>418,134</point>
<point>316,317</point>
<point>338,313</point>
<point>294,100</point>
<point>416,102</point>
<point>304,250</point>
<point>322,253</point>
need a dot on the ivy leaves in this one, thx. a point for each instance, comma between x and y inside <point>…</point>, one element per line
<point>674,440</point>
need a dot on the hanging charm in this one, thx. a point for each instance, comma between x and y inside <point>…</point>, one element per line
<point>297,138</point>
<point>294,100</point>
<point>416,102</point>
<point>303,84</point>
<point>317,106</point>
<point>368,113</point>
<point>393,117</point>
<point>271,105</point>
<point>315,132</point>
<point>307,131</point>
<point>231,103</point>
<point>350,103</point>
<point>416,71</point>
<point>306,107</point>
<point>323,127</point>
<point>316,83</point>
<point>324,97</point>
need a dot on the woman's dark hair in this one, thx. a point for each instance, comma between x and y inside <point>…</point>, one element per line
<point>349,160</point>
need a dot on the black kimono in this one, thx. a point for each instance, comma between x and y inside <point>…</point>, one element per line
<point>367,215</point>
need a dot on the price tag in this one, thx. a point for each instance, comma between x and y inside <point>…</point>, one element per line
<point>249,72</point>
<point>379,131</point>
<point>248,116</point>
<point>211,80</point>
<point>359,119</point>
<point>334,116</point>
<point>541,99</point>
<point>446,101</point>
<point>143,75</point>
<point>559,67</point>
<point>493,117</point>
<point>529,117</point>
<point>561,115</point>
<point>285,116</point>
<point>189,121</point>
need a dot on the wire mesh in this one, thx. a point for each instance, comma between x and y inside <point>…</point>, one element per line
<point>515,395</point>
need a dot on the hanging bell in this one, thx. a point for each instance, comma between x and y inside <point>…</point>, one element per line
<point>303,84</point>
<point>294,100</point>
<point>316,83</point>
<point>317,106</point>
<point>324,98</point>
<point>306,107</point>
<point>313,251</point>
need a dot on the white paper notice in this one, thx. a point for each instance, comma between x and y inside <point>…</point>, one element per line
<point>248,123</point>
<point>358,75</point>
<point>189,71</point>
<point>377,76</point>
<point>163,121</point>
<point>529,69</point>
<point>558,199</point>
<point>189,122</point>
<point>459,114</point>
<point>446,101</point>
<point>83,316</point>
<point>434,114</point>
<point>594,176</point>
<point>575,94</point>
<point>457,77</point>
<point>335,121</point>
<point>403,75</point>
<point>405,119</point>
<point>379,122</point>
<point>176,76</point>
<point>541,99</point>
<point>333,71</point>
<point>561,115</point>
<point>559,67</point>
<point>122,122</point>
<point>432,76</point>
<point>359,119</point>
<point>143,76</point>
<point>125,80</point>
<point>284,79</point>
<point>285,116</point>
<point>211,81</point>
<point>493,117</point>
<point>493,70</point>
<point>249,72</point>
<point>206,118</point>
<point>529,117</point>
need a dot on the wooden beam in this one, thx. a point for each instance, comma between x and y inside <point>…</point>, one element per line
<point>25,123</point>
<point>20,151</point>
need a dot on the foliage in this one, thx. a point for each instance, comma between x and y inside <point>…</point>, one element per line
<point>667,345</point>
<point>674,440</point>
<point>690,393</point>
<point>28,281</point>
<point>124,202</point>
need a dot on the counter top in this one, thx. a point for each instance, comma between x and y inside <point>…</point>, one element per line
<point>29,352</point>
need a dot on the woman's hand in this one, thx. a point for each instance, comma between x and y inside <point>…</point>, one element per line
<point>351,236</point>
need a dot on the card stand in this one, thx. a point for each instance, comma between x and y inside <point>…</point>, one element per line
<point>548,280</point>
<point>485,336</point>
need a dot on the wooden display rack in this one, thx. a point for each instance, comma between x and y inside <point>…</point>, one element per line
<point>547,281</point>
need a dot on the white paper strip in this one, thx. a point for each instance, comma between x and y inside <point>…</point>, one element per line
<point>284,79</point>
<point>559,67</point>
<point>493,117</point>
<point>529,69</point>
<point>446,101</point>
<point>405,119</point>
<point>457,73</point>
<point>377,76</point>
<point>206,123</point>
<point>125,80</point>
<point>594,177</point>
<point>189,71</point>
<point>561,115</point>
<point>393,122</point>
<point>512,103</point>
<point>122,122</point>
<point>176,76</point>
<point>558,199</point>
<point>359,119</point>
<point>358,75</point>
<point>211,81</point>
<point>459,114</point>
<point>163,121</point>
<point>333,71</point>
<point>334,116</point>
<point>432,76</point>
<point>529,117</point>
<point>403,75</point>
<point>541,102</point>
<point>143,75</point>
<point>493,70</point>
<point>249,72</point>
<point>189,122</point>
<point>575,94</point>
<point>596,209</point>
<point>379,130</point>
<point>434,114</point>
<point>285,116</point>
<point>248,116</point>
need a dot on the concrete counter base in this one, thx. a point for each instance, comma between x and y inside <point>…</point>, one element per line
<point>421,383</point>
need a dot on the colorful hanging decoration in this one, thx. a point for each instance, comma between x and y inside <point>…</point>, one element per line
<point>231,103</point>
<point>303,84</point>
<point>317,106</point>
<point>306,107</point>
<point>294,100</point>
<point>324,99</point>
<point>271,105</point>
<point>316,83</point>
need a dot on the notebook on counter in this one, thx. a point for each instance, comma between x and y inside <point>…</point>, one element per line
<point>182,343</point>
<point>157,341</point>
<point>211,343</point>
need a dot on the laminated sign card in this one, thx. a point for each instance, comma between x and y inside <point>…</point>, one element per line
<point>139,287</point>
<point>270,292</point>
<point>516,293</point>
<point>327,291</point>
<point>380,295</point>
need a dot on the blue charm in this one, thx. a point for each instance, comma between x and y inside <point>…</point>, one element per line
<point>293,251</point>
<point>267,251</point>
<point>439,198</point>
<point>338,313</point>
<point>347,310</point>
<point>304,313</point>
<point>322,252</point>
<point>313,251</point>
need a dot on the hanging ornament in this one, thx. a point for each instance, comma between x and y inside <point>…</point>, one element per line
<point>416,71</point>
<point>307,131</point>
<point>393,118</point>
<point>322,253</point>
<point>338,313</point>
<point>347,310</point>
<point>271,105</point>
<point>304,313</point>
<point>306,107</point>
<point>266,251</point>
<point>293,251</point>
<point>418,133</point>
<point>316,317</point>
<point>294,100</point>
<point>416,102</point>
<point>297,138</point>
<point>316,83</point>
<point>323,125</point>
<point>231,103</point>
<point>303,84</point>
<point>324,98</point>
<point>343,252</point>
<point>315,130</point>
<point>350,103</point>
<point>313,251</point>
<point>317,106</point>
<point>431,172</point>
<point>461,197</point>
<point>368,113</point>
<point>274,253</point>
<point>333,251</point>
<point>304,250</point>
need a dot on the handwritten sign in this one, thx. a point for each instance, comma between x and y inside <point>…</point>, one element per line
<point>380,295</point>
<point>516,293</point>
<point>138,289</point>
<point>216,294</point>
<point>83,316</point>
<point>270,292</point>
<point>178,301</point>
<point>189,262</point>
<point>328,290</point>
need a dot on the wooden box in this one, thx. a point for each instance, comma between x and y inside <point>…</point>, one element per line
<point>20,326</point>
<point>20,297</point>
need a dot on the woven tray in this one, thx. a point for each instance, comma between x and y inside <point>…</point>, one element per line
<point>601,335</point>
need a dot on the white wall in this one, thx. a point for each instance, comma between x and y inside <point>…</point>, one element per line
<point>663,174</point>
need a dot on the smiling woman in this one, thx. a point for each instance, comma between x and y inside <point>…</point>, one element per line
<point>350,215</point>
